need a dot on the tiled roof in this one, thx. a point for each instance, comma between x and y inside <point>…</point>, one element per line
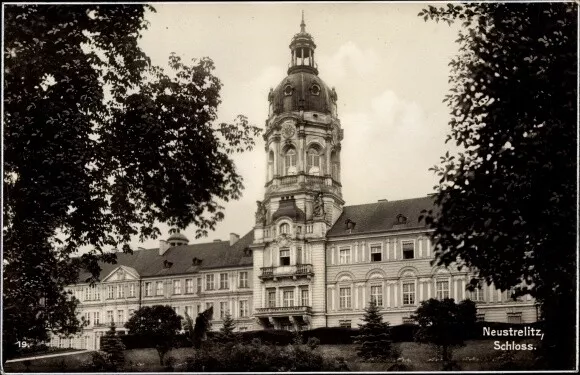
<point>381,216</point>
<point>148,262</point>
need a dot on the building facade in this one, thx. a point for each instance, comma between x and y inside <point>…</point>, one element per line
<point>310,261</point>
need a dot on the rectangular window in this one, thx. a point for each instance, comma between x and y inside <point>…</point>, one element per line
<point>345,323</point>
<point>304,297</point>
<point>176,286</point>
<point>120,291</point>
<point>408,320</point>
<point>408,249</point>
<point>284,257</point>
<point>148,289</point>
<point>189,311</point>
<point>309,228</point>
<point>344,256</point>
<point>481,317</point>
<point>345,298</point>
<point>87,296</point>
<point>243,309</point>
<point>377,294</point>
<point>199,308</point>
<point>189,286</point>
<point>243,280</point>
<point>131,290</point>
<point>88,318</point>
<point>298,229</point>
<point>111,292</point>
<point>208,305</point>
<point>176,309</point>
<point>109,316</point>
<point>199,285</point>
<point>223,309</point>
<point>376,254</point>
<point>271,297</point>
<point>476,295</point>
<point>97,293</point>
<point>224,281</point>
<point>209,282</point>
<point>409,293</point>
<point>442,289</point>
<point>299,255</point>
<point>120,316</point>
<point>514,318</point>
<point>159,291</point>
<point>288,298</point>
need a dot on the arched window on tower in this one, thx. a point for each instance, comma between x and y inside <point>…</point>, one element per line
<point>290,161</point>
<point>335,166</point>
<point>270,165</point>
<point>313,161</point>
<point>284,228</point>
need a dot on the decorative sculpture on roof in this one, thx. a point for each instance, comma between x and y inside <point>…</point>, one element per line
<point>318,211</point>
<point>261,213</point>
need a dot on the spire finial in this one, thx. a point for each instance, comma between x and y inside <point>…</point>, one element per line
<point>302,24</point>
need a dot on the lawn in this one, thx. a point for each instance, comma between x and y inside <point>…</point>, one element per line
<point>476,355</point>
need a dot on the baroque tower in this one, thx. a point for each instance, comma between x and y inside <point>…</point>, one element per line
<point>303,197</point>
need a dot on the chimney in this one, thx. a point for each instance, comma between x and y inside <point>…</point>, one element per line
<point>163,247</point>
<point>234,238</point>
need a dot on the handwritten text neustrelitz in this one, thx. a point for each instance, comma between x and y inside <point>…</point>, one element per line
<point>513,332</point>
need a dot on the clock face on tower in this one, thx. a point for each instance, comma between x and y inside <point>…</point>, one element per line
<point>288,129</point>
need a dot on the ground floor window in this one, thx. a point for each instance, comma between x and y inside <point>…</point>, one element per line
<point>345,323</point>
<point>514,317</point>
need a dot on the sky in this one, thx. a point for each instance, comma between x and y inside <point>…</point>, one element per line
<point>389,68</point>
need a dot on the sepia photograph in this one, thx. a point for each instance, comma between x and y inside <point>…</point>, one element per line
<point>258,187</point>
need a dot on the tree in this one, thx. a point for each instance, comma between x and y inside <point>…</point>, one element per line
<point>444,324</point>
<point>158,323</point>
<point>226,332</point>
<point>374,336</point>
<point>99,147</point>
<point>202,326</point>
<point>505,205</point>
<point>113,346</point>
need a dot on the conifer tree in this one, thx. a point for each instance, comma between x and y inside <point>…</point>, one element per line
<point>227,331</point>
<point>113,346</point>
<point>374,336</point>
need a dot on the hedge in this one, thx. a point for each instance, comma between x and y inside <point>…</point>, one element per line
<point>326,335</point>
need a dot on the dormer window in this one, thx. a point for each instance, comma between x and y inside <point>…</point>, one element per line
<point>288,90</point>
<point>315,89</point>
<point>401,219</point>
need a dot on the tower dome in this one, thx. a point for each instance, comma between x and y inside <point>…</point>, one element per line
<point>302,89</point>
<point>176,238</point>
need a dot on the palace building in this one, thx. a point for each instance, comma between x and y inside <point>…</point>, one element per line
<point>310,261</point>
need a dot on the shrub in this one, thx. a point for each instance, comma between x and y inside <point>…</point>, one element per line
<point>258,357</point>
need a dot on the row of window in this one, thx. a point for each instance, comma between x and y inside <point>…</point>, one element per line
<point>313,162</point>
<point>224,309</point>
<point>210,284</point>
<point>376,251</point>
<point>287,297</point>
<point>285,228</point>
<point>408,294</point>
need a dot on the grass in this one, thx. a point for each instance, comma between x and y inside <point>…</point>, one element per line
<point>67,363</point>
<point>475,356</point>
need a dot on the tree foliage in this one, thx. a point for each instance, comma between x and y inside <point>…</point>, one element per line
<point>226,332</point>
<point>374,336</point>
<point>159,322</point>
<point>112,345</point>
<point>506,203</point>
<point>99,147</point>
<point>445,324</point>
